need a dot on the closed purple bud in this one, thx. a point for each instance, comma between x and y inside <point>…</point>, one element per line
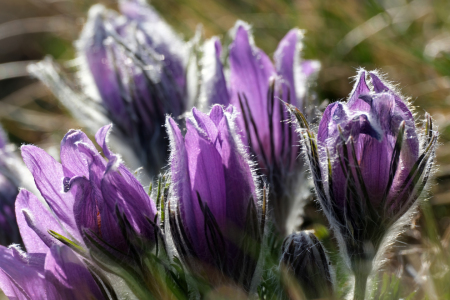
<point>372,148</point>
<point>307,263</point>
<point>258,89</point>
<point>214,200</point>
<point>370,165</point>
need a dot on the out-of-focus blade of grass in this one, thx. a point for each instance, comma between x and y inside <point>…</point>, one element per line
<point>35,25</point>
<point>14,69</point>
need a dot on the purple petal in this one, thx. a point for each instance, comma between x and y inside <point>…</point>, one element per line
<point>374,158</point>
<point>83,160</point>
<point>48,176</point>
<point>214,86</point>
<point>216,114</point>
<point>21,275</point>
<point>250,71</point>
<point>72,159</point>
<point>164,41</point>
<point>334,114</point>
<point>378,85</point>
<point>310,67</point>
<point>206,124</point>
<point>181,184</point>
<point>207,175</point>
<point>119,187</point>
<point>69,275</point>
<point>34,221</point>
<point>101,137</point>
<point>412,139</point>
<point>239,184</point>
<point>286,59</point>
<point>360,88</point>
<point>86,208</point>
<point>91,46</point>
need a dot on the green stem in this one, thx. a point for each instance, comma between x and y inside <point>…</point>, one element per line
<point>360,285</point>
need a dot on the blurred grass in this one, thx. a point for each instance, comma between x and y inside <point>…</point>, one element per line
<point>408,40</point>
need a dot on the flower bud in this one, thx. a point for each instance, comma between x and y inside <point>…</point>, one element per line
<point>305,259</point>
<point>370,164</point>
<point>258,88</point>
<point>216,217</point>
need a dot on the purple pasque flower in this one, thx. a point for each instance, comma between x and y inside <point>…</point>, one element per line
<point>85,197</point>
<point>55,274</point>
<point>132,73</point>
<point>305,261</point>
<point>256,88</point>
<point>370,165</point>
<point>216,215</point>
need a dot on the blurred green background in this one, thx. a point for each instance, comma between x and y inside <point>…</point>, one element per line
<point>408,40</point>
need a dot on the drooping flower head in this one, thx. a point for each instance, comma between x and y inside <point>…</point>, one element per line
<point>307,265</point>
<point>215,216</point>
<point>257,89</point>
<point>370,164</point>
<point>133,73</point>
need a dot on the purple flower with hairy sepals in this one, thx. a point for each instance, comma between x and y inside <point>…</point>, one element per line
<point>133,71</point>
<point>256,88</point>
<point>55,274</point>
<point>370,165</point>
<point>306,263</point>
<point>85,197</point>
<point>216,215</point>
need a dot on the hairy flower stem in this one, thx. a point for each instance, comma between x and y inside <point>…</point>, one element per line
<point>361,268</point>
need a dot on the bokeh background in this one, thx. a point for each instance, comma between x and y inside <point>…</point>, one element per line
<point>408,40</point>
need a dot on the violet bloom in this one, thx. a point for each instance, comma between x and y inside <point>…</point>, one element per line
<point>370,164</point>
<point>305,260</point>
<point>257,88</point>
<point>216,218</point>
<point>56,274</point>
<point>84,195</point>
<point>133,73</point>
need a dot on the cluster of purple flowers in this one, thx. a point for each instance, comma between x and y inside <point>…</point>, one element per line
<point>235,171</point>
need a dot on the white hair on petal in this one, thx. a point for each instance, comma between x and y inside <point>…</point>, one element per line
<point>85,77</point>
<point>257,181</point>
<point>193,76</point>
<point>243,151</point>
<point>233,31</point>
<point>323,166</point>
<point>209,69</point>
